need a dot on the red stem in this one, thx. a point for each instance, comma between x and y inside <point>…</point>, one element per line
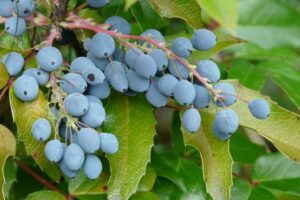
<point>9,83</point>
<point>40,179</point>
<point>83,24</point>
<point>53,34</point>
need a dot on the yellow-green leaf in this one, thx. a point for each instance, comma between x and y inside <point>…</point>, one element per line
<point>187,10</point>
<point>7,148</point>
<point>131,120</point>
<point>216,158</point>
<point>45,195</point>
<point>129,3</point>
<point>223,11</point>
<point>24,114</point>
<point>3,76</point>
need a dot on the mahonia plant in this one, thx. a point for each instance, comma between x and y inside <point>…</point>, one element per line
<point>115,61</point>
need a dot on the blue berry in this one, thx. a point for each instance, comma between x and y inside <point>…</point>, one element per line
<point>204,40</point>
<point>226,122</point>
<point>54,150</point>
<point>219,134</point>
<point>76,104</point>
<point>136,82</point>
<point>87,43</point>
<point>119,24</point>
<point>182,47</point>
<point>73,83</point>
<point>177,69</point>
<point>41,129</point>
<point>100,63</point>
<point>155,97</point>
<point>154,35</point>
<point>202,97</point>
<point>184,92</point>
<point>15,26</point>
<point>191,120</point>
<point>24,8</point>
<point>259,108</point>
<point>114,67</point>
<point>89,140</point>
<point>13,62</point>
<point>97,3</point>
<point>131,56</point>
<point>26,88</point>
<point>74,157</point>
<point>102,45</point>
<point>6,8</point>
<point>102,91</point>
<point>166,84</point>
<point>119,82</point>
<point>95,116</point>
<point>227,94</point>
<point>92,167</point>
<point>93,76</point>
<point>109,143</point>
<point>119,55</point>
<point>209,70</point>
<point>41,76</point>
<point>49,58</point>
<point>67,171</point>
<point>79,64</point>
<point>93,99</point>
<point>145,66</point>
<point>160,58</point>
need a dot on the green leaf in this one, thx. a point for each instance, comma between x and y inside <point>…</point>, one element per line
<point>144,196</point>
<point>275,171</point>
<point>131,119</point>
<point>24,114</point>
<point>249,74</point>
<point>187,10</point>
<point>10,174</point>
<point>147,182</point>
<point>223,11</point>
<point>259,193</point>
<point>216,159</point>
<point>7,148</point>
<point>281,128</point>
<point>167,190</point>
<point>4,76</point>
<point>243,150</point>
<point>45,195</point>
<point>241,189</point>
<point>186,174</point>
<point>81,185</point>
<point>265,22</point>
<point>129,3</point>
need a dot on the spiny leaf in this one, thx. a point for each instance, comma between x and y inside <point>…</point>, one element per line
<point>3,75</point>
<point>216,159</point>
<point>24,115</point>
<point>187,10</point>
<point>7,148</point>
<point>131,119</point>
<point>223,11</point>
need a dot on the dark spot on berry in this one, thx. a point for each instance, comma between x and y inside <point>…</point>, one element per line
<point>52,63</point>
<point>164,66</point>
<point>26,11</point>
<point>39,73</point>
<point>41,139</point>
<point>91,77</point>
<point>190,51</point>
<point>124,90</point>
<point>25,93</point>
<point>105,187</point>
<point>184,104</point>
<point>206,106</point>
<point>268,115</point>
<point>7,28</point>
<point>85,87</point>
<point>105,54</point>
<point>84,110</point>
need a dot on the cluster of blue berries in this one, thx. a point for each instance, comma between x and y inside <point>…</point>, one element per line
<point>129,68</point>
<point>15,12</point>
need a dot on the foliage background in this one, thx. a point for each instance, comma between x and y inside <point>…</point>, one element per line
<point>260,47</point>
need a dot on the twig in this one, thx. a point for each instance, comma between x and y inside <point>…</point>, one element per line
<point>9,83</point>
